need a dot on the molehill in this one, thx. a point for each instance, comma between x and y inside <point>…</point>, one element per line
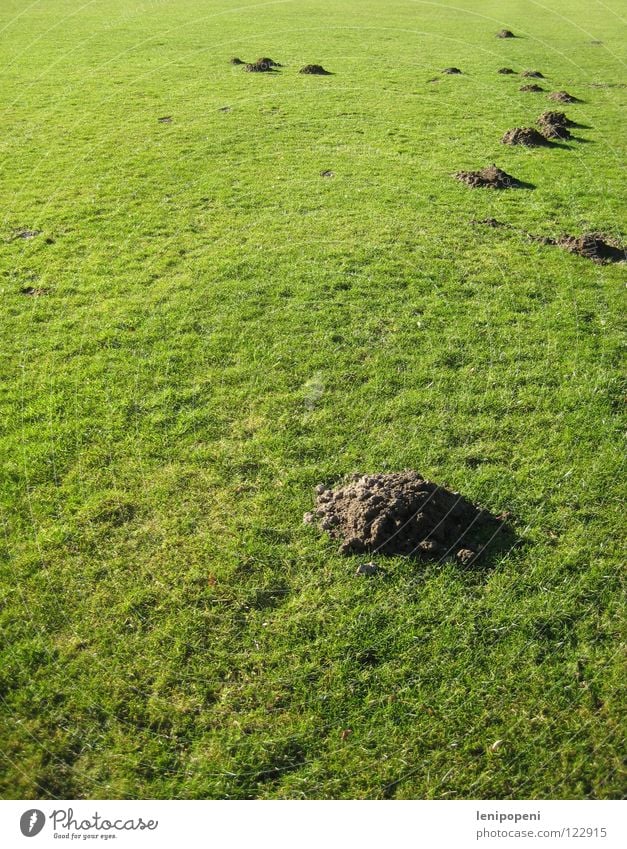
<point>402,513</point>
<point>490,177</point>
<point>527,136</point>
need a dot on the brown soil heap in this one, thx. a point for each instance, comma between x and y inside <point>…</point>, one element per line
<point>236,61</point>
<point>594,246</point>
<point>265,60</point>
<point>563,97</point>
<point>506,71</point>
<point>400,513</point>
<point>536,74</point>
<point>527,136</point>
<point>314,69</point>
<point>505,33</point>
<point>451,71</point>
<point>491,177</point>
<point>531,87</point>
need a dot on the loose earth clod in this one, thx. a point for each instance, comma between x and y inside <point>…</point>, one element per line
<point>535,74</point>
<point>531,87</point>
<point>490,177</point>
<point>401,513</point>
<point>314,69</point>
<point>505,33</point>
<point>236,61</point>
<point>451,71</point>
<point>506,71</point>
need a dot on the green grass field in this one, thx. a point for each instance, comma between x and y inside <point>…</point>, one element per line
<point>215,328</point>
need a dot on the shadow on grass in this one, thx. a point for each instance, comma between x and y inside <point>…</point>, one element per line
<point>521,184</point>
<point>492,543</point>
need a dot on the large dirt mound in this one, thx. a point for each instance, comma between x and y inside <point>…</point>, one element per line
<point>527,136</point>
<point>401,513</point>
<point>563,97</point>
<point>490,177</point>
<point>314,69</point>
<point>594,246</point>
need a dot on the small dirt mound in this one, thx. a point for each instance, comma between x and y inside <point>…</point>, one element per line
<point>531,87</point>
<point>314,69</point>
<point>505,33</point>
<point>265,60</point>
<point>451,71</point>
<point>165,119</point>
<point>527,136</point>
<point>236,61</point>
<point>258,68</point>
<point>491,178</point>
<point>535,74</point>
<point>506,71</point>
<point>594,246</point>
<point>400,513</point>
<point>563,97</point>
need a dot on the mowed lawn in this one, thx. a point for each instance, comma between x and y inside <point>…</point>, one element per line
<point>205,328</point>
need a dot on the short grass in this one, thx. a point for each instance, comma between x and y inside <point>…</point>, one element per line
<point>222,328</point>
